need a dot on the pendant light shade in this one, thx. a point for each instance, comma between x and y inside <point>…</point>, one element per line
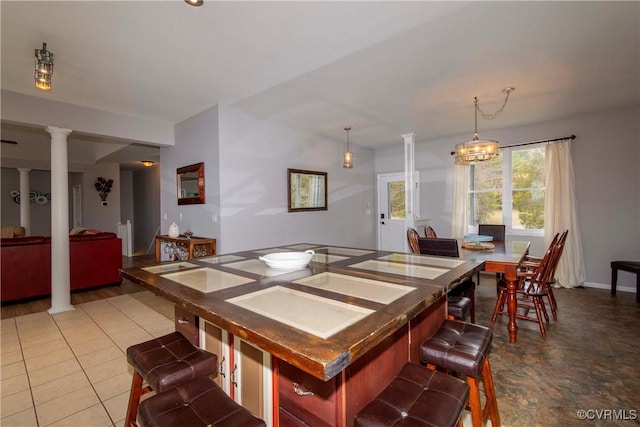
<point>348,156</point>
<point>44,68</point>
<point>479,150</point>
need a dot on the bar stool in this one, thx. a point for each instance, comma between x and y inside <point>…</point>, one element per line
<point>200,402</point>
<point>458,307</point>
<point>463,348</point>
<point>163,363</point>
<point>417,397</point>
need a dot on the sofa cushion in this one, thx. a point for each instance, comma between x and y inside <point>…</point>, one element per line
<point>11,231</point>
<point>19,241</point>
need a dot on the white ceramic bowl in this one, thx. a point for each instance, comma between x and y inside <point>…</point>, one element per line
<point>287,260</point>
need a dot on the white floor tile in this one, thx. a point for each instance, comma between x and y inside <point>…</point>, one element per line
<point>66,405</point>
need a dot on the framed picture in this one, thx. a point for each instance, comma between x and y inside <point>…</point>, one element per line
<point>306,190</point>
<point>191,184</point>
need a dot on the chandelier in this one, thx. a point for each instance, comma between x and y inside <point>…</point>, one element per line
<point>480,150</point>
<point>44,68</point>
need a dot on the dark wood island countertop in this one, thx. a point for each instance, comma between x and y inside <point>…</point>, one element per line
<point>382,290</point>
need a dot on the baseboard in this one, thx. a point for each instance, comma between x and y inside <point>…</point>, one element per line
<point>608,287</point>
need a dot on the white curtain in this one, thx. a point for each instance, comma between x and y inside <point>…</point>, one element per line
<point>460,193</point>
<point>560,213</point>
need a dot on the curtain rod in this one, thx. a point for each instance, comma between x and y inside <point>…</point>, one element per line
<point>534,142</point>
<point>539,142</point>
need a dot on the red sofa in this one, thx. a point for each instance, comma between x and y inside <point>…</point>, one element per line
<point>25,270</point>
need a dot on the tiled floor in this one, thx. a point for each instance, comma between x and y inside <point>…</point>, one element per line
<point>70,369</point>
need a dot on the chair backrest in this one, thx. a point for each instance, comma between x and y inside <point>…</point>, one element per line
<point>494,230</point>
<point>412,238</point>
<point>439,246</point>
<point>559,248</point>
<point>429,232</point>
<point>538,278</point>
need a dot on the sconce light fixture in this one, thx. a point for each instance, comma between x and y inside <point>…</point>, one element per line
<point>147,163</point>
<point>194,2</point>
<point>44,68</point>
<point>348,156</point>
<point>480,150</point>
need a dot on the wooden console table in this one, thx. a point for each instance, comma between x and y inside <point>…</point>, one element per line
<point>208,246</point>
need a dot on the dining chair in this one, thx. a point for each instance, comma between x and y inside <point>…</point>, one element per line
<point>429,232</point>
<point>439,246</point>
<point>412,238</point>
<point>532,288</point>
<point>449,248</point>
<point>497,231</point>
<point>559,241</point>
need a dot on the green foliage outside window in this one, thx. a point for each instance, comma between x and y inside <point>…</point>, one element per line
<point>527,190</point>
<point>528,187</point>
<point>396,200</point>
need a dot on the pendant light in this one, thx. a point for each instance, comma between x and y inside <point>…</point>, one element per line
<point>480,150</point>
<point>348,156</point>
<point>44,68</point>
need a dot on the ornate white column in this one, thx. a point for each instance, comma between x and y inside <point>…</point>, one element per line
<point>25,203</point>
<point>60,271</point>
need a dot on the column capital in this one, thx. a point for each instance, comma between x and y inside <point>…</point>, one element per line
<point>24,169</point>
<point>59,131</point>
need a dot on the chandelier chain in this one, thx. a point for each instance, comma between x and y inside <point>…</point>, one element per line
<point>497,113</point>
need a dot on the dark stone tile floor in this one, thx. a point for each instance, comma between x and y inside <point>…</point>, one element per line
<point>590,360</point>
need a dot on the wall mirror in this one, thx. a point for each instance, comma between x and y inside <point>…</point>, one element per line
<point>191,184</point>
<point>307,190</point>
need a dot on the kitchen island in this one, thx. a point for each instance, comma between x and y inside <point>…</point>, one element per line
<point>314,345</point>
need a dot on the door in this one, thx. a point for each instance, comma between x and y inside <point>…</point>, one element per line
<point>216,340</point>
<point>252,378</point>
<point>392,235</point>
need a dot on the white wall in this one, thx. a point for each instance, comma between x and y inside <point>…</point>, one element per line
<point>606,155</point>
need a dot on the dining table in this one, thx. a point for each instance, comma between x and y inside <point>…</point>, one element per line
<point>501,257</point>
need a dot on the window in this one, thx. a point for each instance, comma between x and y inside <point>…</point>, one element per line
<point>396,193</point>
<point>509,190</point>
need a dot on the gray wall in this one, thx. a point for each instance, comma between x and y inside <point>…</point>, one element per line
<point>246,160</point>
<point>39,180</point>
<point>196,141</point>
<point>146,205</point>
<point>606,155</point>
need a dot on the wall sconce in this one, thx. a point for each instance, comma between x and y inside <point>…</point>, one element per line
<point>348,156</point>
<point>44,68</point>
<point>103,187</point>
<point>147,163</point>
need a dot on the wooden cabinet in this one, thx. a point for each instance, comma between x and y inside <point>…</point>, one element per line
<point>244,371</point>
<point>304,399</point>
<point>187,325</point>
<point>252,379</point>
<point>193,248</point>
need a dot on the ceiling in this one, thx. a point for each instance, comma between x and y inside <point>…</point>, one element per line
<point>383,68</point>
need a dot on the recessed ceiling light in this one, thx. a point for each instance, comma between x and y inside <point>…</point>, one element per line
<point>147,163</point>
<point>194,2</point>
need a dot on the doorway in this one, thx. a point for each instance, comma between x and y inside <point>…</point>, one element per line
<point>392,212</point>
